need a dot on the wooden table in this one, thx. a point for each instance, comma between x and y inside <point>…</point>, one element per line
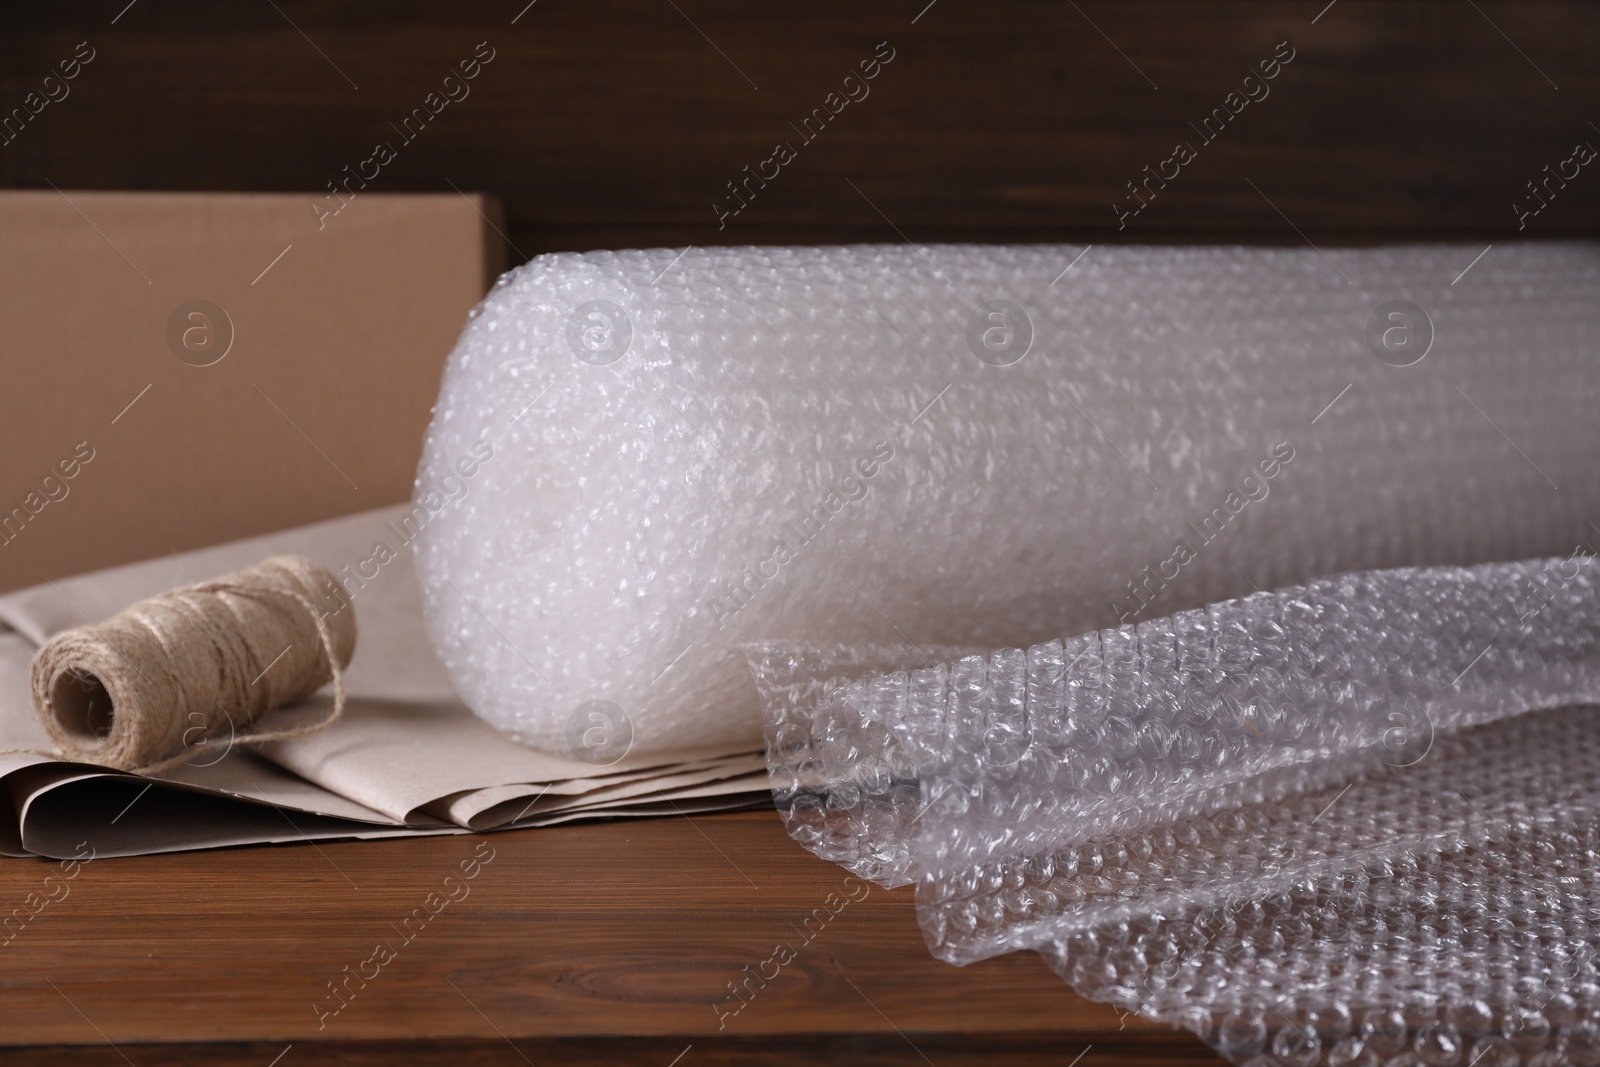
<point>605,943</point>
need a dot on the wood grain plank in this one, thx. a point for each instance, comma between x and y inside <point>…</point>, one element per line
<point>570,937</point>
<point>617,123</point>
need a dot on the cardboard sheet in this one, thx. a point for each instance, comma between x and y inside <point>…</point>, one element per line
<point>212,366</point>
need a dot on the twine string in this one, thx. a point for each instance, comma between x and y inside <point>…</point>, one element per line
<point>133,691</point>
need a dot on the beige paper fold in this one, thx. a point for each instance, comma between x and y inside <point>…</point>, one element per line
<point>407,757</point>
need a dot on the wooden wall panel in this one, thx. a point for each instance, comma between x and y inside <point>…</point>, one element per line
<point>610,123</point>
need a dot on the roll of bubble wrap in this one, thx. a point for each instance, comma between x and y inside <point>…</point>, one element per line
<point>641,459</point>
<point>1353,822</point>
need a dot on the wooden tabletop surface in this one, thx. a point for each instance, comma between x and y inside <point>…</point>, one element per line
<point>602,943</point>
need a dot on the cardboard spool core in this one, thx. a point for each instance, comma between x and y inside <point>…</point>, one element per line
<point>82,707</point>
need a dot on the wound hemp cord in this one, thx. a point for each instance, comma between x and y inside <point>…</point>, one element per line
<point>142,690</point>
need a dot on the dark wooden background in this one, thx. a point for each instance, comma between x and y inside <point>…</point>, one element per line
<point>607,124</point>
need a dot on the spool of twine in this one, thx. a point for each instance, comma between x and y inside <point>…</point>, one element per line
<point>145,689</point>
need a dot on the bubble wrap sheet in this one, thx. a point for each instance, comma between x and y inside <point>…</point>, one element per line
<point>1350,822</point>
<point>640,460</point>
